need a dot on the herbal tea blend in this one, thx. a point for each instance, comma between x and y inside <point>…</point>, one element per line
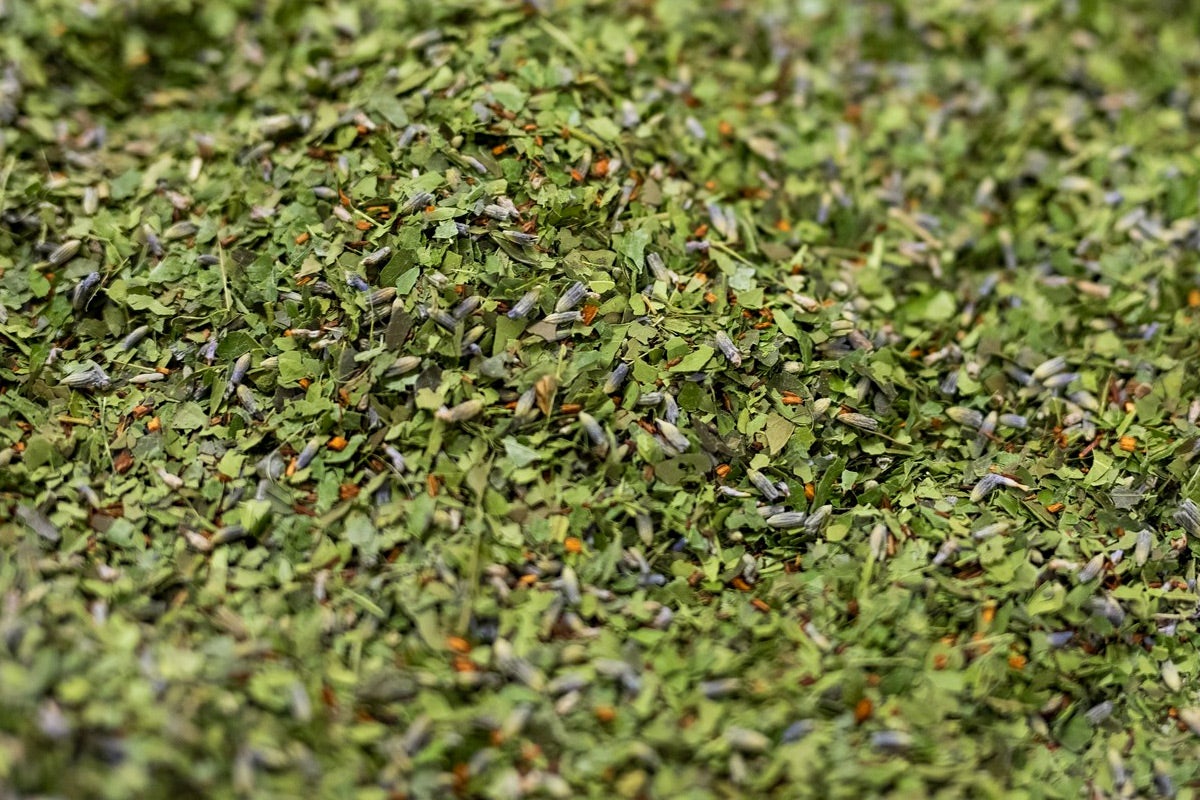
<point>599,399</point>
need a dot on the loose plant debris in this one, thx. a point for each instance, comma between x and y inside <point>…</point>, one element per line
<point>599,399</point>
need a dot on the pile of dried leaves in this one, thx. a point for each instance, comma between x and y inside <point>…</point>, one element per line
<point>592,399</point>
